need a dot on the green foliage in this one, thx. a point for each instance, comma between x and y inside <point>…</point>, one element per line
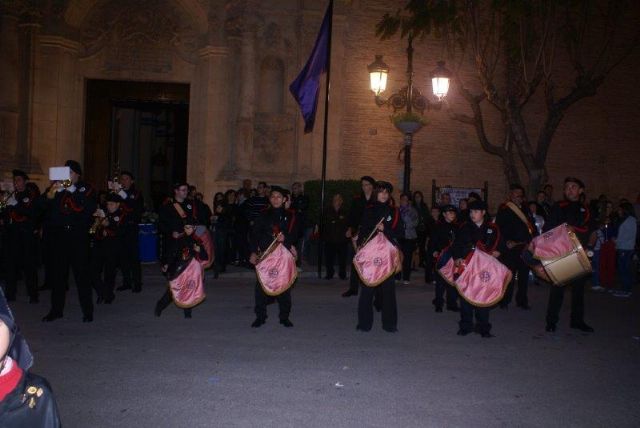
<point>408,117</point>
<point>418,19</point>
<point>347,188</point>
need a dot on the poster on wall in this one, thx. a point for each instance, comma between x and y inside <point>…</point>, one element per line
<point>458,193</point>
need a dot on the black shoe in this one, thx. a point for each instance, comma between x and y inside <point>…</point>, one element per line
<point>34,300</point>
<point>349,293</point>
<point>286,322</point>
<point>124,287</point>
<point>87,318</point>
<point>550,327</point>
<point>187,315</point>
<point>525,307</point>
<point>390,329</point>
<point>362,328</point>
<point>99,300</point>
<point>258,322</point>
<point>486,335</point>
<point>137,289</point>
<point>44,286</point>
<point>438,309</point>
<point>582,326</point>
<point>462,332</point>
<point>109,299</point>
<point>51,317</point>
<point>158,310</point>
<point>453,308</point>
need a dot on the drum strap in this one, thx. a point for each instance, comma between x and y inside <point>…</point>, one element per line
<point>179,209</point>
<point>521,216</point>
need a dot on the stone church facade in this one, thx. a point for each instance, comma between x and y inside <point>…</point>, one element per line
<point>238,58</point>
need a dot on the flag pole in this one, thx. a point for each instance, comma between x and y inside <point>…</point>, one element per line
<point>321,242</point>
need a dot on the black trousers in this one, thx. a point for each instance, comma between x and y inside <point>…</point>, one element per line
<point>520,273</point>
<point>70,252</point>
<point>262,300</point>
<point>333,251</point>
<point>452,293</point>
<point>421,243</point>
<point>407,246</point>
<point>429,265</point>
<point>556,295</point>
<point>166,300</point>
<point>21,256</point>
<point>354,280</point>
<point>130,260</point>
<point>387,293</point>
<point>105,259</point>
<point>47,255</point>
<point>467,312</point>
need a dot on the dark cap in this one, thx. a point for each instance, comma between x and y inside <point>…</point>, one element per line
<point>280,190</point>
<point>20,173</point>
<point>368,179</point>
<point>179,184</point>
<point>478,204</point>
<point>385,185</point>
<point>113,197</point>
<point>74,166</point>
<point>128,174</point>
<point>447,208</point>
<point>474,195</point>
<point>574,180</point>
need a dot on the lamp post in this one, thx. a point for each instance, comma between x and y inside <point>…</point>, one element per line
<point>408,98</point>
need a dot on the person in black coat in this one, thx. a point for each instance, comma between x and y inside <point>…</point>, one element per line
<point>335,241</point>
<point>380,214</point>
<point>576,214</point>
<point>444,233</point>
<point>132,206</point>
<point>26,399</point>
<point>517,230</point>
<point>478,234</point>
<point>276,222</point>
<point>355,217</point>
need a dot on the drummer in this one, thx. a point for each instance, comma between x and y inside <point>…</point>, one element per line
<point>444,234</point>
<point>274,222</point>
<point>577,216</point>
<point>477,233</point>
<point>391,225</point>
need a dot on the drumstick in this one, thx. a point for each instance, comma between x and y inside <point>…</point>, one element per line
<point>375,229</point>
<point>268,250</point>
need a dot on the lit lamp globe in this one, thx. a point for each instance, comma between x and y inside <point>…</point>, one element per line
<point>378,72</point>
<point>440,79</point>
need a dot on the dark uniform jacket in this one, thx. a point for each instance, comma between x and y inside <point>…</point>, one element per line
<point>485,237</point>
<point>24,214</point>
<point>335,226</point>
<point>71,209</point>
<point>268,224</point>
<point>115,230</point>
<point>357,210</point>
<point>574,214</point>
<point>512,228</point>
<point>392,221</point>
<point>444,233</point>
<point>183,252</point>
<point>133,205</point>
<point>169,221</point>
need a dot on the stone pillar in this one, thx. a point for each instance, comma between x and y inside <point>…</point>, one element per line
<point>247,103</point>
<point>209,143</point>
<point>9,84</point>
<point>57,102</point>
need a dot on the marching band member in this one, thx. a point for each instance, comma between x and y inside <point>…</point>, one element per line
<point>517,228</point>
<point>70,210</point>
<point>279,223</point>
<point>577,216</point>
<point>382,216</point>
<point>477,233</point>
<point>132,206</point>
<point>444,233</point>
<point>20,248</point>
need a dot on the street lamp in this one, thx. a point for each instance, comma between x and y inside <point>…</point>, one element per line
<point>408,98</point>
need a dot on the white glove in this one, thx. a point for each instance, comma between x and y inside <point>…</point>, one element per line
<point>122,194</point>
<point>99,213</point>
<point>71,188</point>
<point>12,201</point>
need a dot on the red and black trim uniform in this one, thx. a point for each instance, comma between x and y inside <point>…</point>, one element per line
<point>442,237</point>
<point>514,229</point>
<point>577,216</point>
<point>182,253</point>
<point>107,253</point>
<point>169,221</point>
<point>485,237</point>
<point>266,227</point>
<point>132,206</point>
<point>70,214</point>
<point>20,242</point>
<point>385,293</point>
<point>354,218</point>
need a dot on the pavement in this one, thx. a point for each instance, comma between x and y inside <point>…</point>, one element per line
<point>131,369</point>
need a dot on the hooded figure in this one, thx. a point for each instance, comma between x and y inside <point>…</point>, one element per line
<point>26,399</point>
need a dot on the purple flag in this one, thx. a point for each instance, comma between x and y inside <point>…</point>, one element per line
<point>307,85</point>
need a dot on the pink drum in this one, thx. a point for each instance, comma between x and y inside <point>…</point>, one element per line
<point>205,236</point>
<point>483,280</point>
<point>377,260</point>
<point>276,270</point>
<point>187,288</point>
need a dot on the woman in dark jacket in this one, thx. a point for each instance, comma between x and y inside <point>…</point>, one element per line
<point>335,240</point>
<point>393,228</point>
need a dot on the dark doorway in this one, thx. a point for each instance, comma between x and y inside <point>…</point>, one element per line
<point>140,127</point>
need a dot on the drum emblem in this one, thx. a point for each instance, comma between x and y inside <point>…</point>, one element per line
<point>377,261</point>
<point>485,276</point>
<point>191,285</point>
<point>547,235</point>
<point>273,272</point>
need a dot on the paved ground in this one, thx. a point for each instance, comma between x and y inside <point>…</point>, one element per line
<point>130,369</point>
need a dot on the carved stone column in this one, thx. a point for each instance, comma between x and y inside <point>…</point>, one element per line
<point>247,103</point>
